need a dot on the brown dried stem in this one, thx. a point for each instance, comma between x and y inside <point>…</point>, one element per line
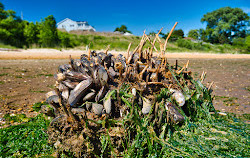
<point>107,49</point>
<point>165,45</point>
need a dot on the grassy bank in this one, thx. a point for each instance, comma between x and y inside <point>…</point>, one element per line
<point>120,43</point>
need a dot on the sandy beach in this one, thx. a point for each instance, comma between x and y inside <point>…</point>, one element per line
<point>64,54</point>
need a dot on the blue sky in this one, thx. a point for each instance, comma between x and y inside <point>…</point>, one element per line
<point>137,15</point>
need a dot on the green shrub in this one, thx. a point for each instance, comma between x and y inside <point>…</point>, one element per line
<point>239,42</point>
<point>64,39</point>
<point>247,42</point>
<point>184,43</point>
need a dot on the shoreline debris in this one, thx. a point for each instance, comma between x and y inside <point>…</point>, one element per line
<point>100,94</point>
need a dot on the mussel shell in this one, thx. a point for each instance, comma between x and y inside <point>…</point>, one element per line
<point>65,94</point>
<point>107,61</point>
<point>62,87</point>
<point>100,94</point>
<point>112,72</point>
<point>88,106</point>
<point>54,99</point>
<point>89,96</point>
<point>97,108</point>
<point>75,76</point>
<point>85,62</point>
<point>107,103</point>
<point>147,106</point>
<point>60,77</point>
<point>178,96</point>
<point>134,91</point>
<point>175,116</point>
<point>50,93</point>
<point>77,93</point>
<point>75,63</point>
<point>77,110</point>
<point>64,67</point>
<point>70,84</point>
<point>102,75</point>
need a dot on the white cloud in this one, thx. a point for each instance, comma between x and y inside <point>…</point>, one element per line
<point>246,9</point>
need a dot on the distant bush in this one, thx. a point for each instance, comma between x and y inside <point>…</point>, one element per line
<point>64,39</point>
<point>247,43</point>
<point>239,42</point>
<point>192,45</point>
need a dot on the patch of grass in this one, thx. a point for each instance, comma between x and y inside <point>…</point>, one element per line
<point>3,74</point>
<point>247,88</point>
<point>51,86</point>
<point>246,116</point>
<point>49,75</point>
<point>18,76</point>
<point>26,140</point>
<point>38,91</point>
<point>6,46</point>
<point>30,76</point>
<point>16,118</point>
<point>2,82</point>
<point>4,68</point>
<point>228,101</point>
<point>37,106</point>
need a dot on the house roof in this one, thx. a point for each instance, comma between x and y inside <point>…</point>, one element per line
<point>70,20</point>
<point>64,20</point>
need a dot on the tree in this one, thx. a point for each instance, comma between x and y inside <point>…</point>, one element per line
<point>177,34</point>
<point>194,34</point>
<point>152,33</point>
<point>48,36</point>
<point>123,29</point>
<point>11,28</point>
<point>225,23</point>
<point>30,33</point>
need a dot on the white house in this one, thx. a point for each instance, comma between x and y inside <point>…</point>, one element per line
<point>70,25</point>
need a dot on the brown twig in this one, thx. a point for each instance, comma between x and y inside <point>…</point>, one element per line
<point>151,50</point>
<point>141,73</point>
<point>129,46</point>
<point>107,49</point>
<point>151,43</point>
<point>60,102</point>
<point>165,45</point>
<point>210,86</point>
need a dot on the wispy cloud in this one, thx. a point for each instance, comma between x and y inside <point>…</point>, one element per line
<point>246,9</point>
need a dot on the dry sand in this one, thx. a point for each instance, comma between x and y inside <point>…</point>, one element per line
<point>64,54</point>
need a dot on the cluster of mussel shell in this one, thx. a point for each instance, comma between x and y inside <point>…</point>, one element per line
<point>86,84</point>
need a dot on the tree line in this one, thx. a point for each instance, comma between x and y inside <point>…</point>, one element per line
<point>20,33</point>
<point>223,26</point>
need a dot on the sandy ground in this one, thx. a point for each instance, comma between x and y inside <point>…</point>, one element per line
<point>64,54</point>
<point>24,82</point>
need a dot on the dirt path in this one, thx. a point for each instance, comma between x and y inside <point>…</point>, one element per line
<point>24,82</point>
<point>64,54</point>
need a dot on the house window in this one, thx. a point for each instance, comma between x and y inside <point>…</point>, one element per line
<point>63,26</point>
<point>71,25</point>
<point>79,24</point>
